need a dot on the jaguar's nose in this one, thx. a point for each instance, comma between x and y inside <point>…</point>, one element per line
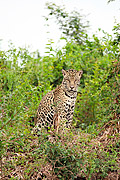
<point>72,87</point>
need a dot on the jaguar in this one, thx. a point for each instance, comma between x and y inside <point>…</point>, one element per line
<point>57,106</point>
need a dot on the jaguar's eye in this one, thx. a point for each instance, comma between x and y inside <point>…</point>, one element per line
<point>67,80</point>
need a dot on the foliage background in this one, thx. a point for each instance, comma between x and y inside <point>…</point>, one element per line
<point>26,77</point>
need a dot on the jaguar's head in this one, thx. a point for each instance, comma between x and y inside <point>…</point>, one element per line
<point>71,80</point>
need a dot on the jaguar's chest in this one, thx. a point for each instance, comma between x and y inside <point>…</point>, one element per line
<point>66,105</point>
<point>62,101</point>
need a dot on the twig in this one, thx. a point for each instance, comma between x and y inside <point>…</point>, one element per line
<point>1,167</point>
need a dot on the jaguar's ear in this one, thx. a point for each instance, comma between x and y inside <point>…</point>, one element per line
<point>80,73</point>
<point>64,72</point>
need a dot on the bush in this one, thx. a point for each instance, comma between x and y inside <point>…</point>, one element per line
<point>26,77</point>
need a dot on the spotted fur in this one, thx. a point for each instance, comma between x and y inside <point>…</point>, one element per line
<point>56,107</point>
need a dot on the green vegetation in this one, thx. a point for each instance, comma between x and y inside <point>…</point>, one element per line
<point>91,149</point>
